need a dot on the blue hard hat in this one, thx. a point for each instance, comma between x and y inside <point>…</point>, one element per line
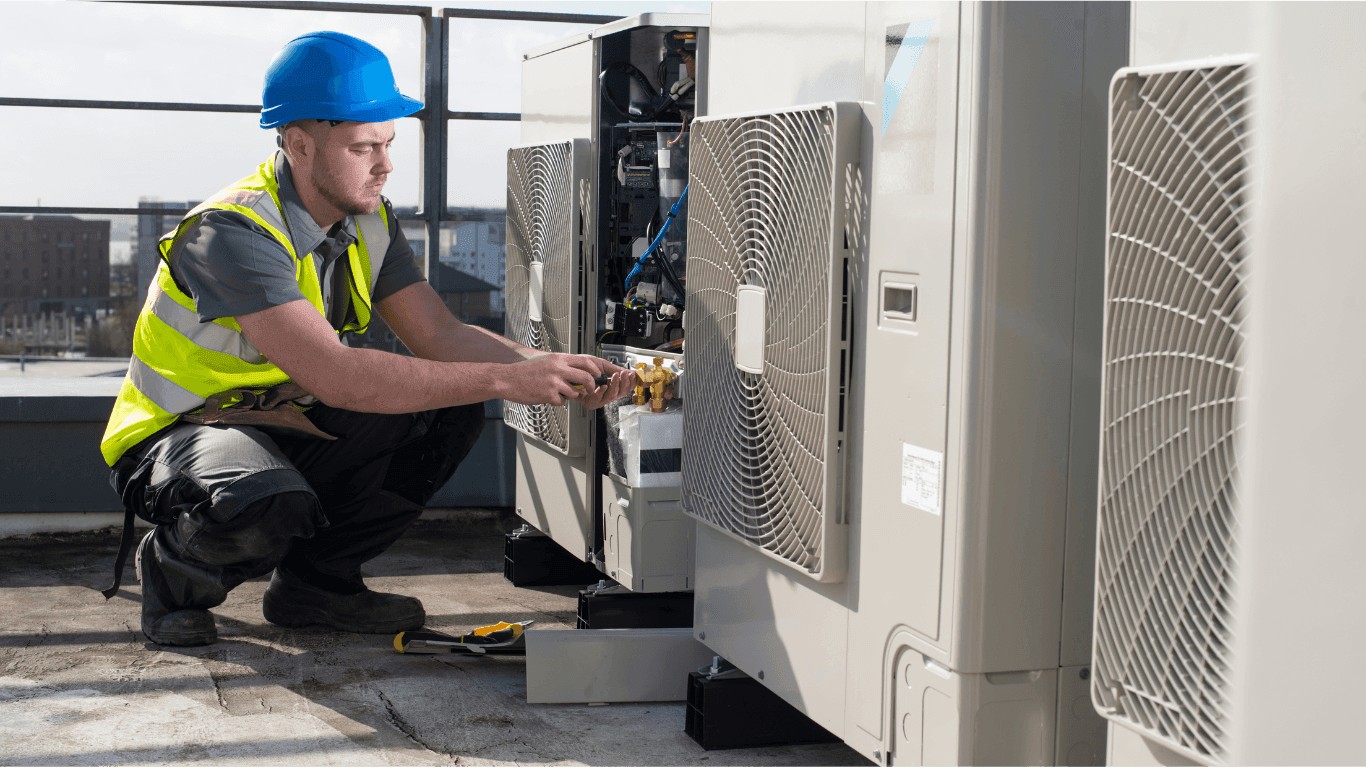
<point>331,76</point>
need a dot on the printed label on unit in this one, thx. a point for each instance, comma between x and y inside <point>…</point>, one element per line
<point>921,473</point>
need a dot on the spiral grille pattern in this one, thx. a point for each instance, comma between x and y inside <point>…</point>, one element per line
<point>757,447</point>
<point>1174,345</point>
<point>540,230</point>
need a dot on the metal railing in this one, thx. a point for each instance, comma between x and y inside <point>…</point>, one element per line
<point>432,150</point>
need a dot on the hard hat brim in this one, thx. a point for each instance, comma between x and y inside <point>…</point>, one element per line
<point>371,112</point>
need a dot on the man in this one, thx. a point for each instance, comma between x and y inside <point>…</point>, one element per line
<point>246,430</point>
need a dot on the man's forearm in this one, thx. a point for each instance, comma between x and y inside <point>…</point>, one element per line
<point>491,341</point>
<point>463,343</point>
<point>381,382</point>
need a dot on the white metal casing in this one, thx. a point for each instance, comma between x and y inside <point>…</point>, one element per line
<point>556,493</point>
<point>553,489</point>
<point>1295,570</point>
<point>1304,574</point>
<point>982,203</point>
<point>557,91</point>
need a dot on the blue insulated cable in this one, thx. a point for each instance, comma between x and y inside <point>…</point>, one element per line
<point>644,257</point>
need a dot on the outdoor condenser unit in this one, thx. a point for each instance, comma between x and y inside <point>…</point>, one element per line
<point>546,280</point>
<point>555,274</point>
<point>895,281</point>
<point>1226,438</point>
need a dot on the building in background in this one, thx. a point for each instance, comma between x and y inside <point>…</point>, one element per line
<point>467,297</point>
<point>472,242</point>
<point>477,249</point>
<point>151,226</point>
<point>52,263</point>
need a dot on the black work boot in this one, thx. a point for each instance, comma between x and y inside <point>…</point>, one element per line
<point>292,602</point>
<point>160,623</point>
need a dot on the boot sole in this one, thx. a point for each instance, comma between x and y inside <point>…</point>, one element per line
<point>181,640</point>
<point>297,617</point>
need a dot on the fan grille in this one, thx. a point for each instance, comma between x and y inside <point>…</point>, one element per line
<point>540,230</point>
<point>757,446</point>
<point>1174,345</point>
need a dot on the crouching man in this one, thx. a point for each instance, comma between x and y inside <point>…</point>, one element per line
<point>246,431</point>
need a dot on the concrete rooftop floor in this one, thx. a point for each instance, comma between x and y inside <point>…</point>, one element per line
<point>80,685</point>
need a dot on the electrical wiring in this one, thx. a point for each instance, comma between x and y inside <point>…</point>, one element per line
<point>665,267</point>
<point>629,69</point>
<point>659,239</point>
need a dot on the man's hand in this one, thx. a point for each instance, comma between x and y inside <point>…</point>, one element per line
<point>623,381</point>
<point>552,379</point>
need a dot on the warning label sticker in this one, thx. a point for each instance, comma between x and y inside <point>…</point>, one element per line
<point>921,473</point>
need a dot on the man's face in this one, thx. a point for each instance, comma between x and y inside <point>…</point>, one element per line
<point>351,165</point>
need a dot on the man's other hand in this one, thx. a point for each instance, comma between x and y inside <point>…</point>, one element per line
<point>552,379</point>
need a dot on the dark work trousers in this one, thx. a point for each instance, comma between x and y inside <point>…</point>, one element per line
<point>231,503</point>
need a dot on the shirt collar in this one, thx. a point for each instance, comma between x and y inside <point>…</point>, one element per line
<point>303,230</point>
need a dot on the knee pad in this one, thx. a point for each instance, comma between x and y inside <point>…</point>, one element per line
<point>260,530</point>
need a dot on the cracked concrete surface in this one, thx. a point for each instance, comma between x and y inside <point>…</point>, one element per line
<point>80,685</point>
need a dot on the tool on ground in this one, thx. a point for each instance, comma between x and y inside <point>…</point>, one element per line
<point>505,638</point>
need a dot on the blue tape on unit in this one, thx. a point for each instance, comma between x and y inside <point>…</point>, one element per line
<point>899,73</point>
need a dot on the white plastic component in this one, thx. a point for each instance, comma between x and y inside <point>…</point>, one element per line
<point>648,292</point>
<point>536,291</point>
<point>653,444</point>
<point>1170,445</point>
<point>749,328</point>
<point>1009,716</point>
<point>589,666</point>
<point>647,539</point>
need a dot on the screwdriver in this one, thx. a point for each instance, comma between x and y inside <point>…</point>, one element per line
<point>598,381</point>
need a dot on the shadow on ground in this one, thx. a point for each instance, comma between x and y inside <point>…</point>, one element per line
<point>79,684</point>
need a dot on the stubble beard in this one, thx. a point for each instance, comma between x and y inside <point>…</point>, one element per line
<point>331,190</point>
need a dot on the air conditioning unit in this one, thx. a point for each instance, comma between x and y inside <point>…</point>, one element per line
<point>546,277</point>
<point>895,282</point>
<point>1226,560</point>
<point>603,165</point>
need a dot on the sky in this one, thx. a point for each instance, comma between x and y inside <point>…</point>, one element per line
<point>157,52</point>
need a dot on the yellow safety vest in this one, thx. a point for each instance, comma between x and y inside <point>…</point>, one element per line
<point>178,361</point>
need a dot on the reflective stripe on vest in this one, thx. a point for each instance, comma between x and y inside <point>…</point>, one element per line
<point>178,361</point>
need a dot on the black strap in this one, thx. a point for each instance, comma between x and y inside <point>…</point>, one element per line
<point>125,544</point>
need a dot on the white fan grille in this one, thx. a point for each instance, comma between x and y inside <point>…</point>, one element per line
<point>540,229</point>
<point>757,451</point>
<point>1174,340</point>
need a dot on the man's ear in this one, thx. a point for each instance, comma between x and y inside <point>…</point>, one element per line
<point>298,143</point>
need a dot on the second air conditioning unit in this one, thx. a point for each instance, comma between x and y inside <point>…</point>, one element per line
<point>896,262</point>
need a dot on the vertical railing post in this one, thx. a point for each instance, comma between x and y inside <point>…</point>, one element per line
<point>433,157</point>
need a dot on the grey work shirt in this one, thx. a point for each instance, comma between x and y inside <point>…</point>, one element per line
<point>232,266</point>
